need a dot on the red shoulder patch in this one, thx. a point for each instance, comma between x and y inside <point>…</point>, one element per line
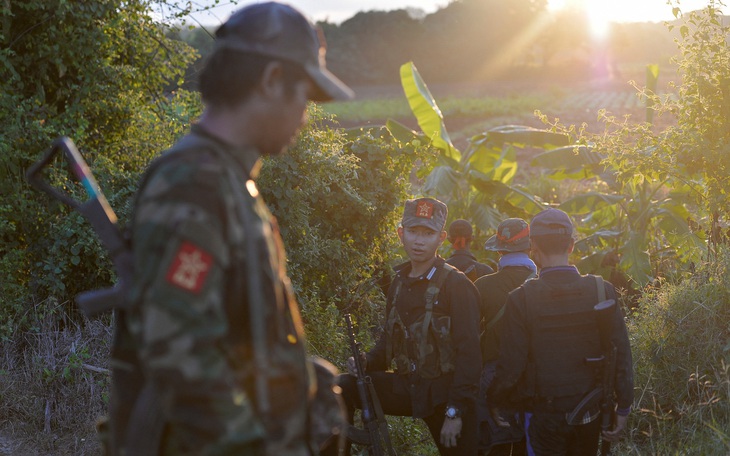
<point>190,268</point>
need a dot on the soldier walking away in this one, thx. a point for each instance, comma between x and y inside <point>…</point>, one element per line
<point>431,335</point>
<point>564,343</point>
<point>213,328</point>
<point>460,236</point>
<point>512,243</point>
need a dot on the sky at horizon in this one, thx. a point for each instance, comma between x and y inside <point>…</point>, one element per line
<point>337,11</point>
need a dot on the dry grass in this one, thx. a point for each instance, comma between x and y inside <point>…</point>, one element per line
<point>53,387</point>
<point>681,344</point>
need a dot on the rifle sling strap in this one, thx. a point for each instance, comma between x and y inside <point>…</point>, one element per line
<point>499,314</point>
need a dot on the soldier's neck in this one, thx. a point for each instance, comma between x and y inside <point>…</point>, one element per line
<point>420,268</point>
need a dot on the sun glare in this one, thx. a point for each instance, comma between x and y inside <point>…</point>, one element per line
<point>599,20</point>
<point>602,12</point>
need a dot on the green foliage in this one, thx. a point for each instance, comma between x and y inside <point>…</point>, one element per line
<point>477,183</point>
<point>426,111</point>
<point>701,139</point>
<point>681,353</point>
<point>669,188</point>
<point>338,199</point>
<point>95,72</point>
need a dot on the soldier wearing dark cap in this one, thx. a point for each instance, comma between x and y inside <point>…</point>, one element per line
<point>557,343</point>
<point>213,323</point>
<point>431,338</point>
<point>460,236</point>
<point>512,243</point>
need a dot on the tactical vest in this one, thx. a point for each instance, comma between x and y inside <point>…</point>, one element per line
<point>265,344</point>
<point>564,333</point>
<point>425,347</point>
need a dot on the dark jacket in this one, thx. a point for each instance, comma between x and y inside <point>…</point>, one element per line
<point>517,344</point>
<point>467,263</point>
<point>459,299</point>
<point>493,291</point>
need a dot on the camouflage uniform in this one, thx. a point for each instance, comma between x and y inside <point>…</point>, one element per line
<point>210,355</point>
<point>193,318</point>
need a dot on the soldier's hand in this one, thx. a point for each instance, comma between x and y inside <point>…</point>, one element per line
<point>615,434</point>
<point>352,368</point>
<point>497,417</point>
<point>450,431</point>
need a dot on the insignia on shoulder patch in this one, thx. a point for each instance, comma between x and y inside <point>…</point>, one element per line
<point>189,268</point>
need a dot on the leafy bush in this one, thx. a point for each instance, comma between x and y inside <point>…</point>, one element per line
<point>338,198</point>
<point>95,72</point>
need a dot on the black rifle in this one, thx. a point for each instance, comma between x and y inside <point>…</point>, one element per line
<point>101,217</point>
<point>376,435</point>
<point>605,311</point>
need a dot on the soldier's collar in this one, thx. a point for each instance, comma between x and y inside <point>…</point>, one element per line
<point>248,157</point>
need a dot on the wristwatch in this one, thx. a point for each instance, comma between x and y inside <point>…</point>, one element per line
<point>452,412</point>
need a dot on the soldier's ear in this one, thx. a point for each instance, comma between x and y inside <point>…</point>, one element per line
<point>272,81</point>
<point>443,235</point>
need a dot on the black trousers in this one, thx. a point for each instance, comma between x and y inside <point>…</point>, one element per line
<point>550,434</point>
<point>397,404</point>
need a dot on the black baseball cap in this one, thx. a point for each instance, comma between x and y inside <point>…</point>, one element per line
<point>460,228</point>
<point>281,31</point>
<point>551,221</point>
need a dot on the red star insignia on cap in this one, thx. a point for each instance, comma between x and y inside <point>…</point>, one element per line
<point>424,209</point>
<point>189,268</point>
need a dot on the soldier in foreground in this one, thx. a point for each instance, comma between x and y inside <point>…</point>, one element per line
<point>558,339</point>
<point>431,336</point>
<point>460,236</point>
<point>214,324</point>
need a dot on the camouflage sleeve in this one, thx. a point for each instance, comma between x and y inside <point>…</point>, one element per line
<point>181,258</point>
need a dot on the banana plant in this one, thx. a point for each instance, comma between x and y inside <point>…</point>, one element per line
<point>637,223</point>
<point>478,182</point>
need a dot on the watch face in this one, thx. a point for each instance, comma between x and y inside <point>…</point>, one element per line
<point>451,412</point>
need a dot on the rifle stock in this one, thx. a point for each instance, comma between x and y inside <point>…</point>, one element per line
<point>376,427</point>
<point>102,218</point>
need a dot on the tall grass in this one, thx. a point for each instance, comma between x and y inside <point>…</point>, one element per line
<point>681,346</point>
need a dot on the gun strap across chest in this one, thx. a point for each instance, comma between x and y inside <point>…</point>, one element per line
<point>434,288</point>
<point>501,311</point>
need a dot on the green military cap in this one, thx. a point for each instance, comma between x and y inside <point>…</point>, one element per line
<point>427,212</point>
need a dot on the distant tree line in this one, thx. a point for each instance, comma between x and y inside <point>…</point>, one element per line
<point>472,41</point>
